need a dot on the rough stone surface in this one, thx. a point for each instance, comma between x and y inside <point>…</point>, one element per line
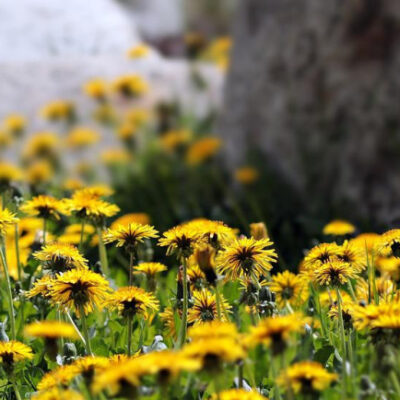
<point>315,85</point>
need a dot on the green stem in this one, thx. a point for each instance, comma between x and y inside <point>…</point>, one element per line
<point>131,259</point>
<point>182,334</point>
<point>343,341</point>
<point>16,233</point>
<point>82,234</point>
<point>15,387</point>
<point>9,292</point>
<point>240,375</point>
<point>318,307</point>
<point>102,252</point>
<point>44,231</point>
<point>130,327</point>
<point>85,330</point>
<point>395,382</point>
<point>218,300</point>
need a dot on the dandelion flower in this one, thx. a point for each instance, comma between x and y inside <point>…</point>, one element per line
<point>246,257</point>
<point>339,227</point>
<point>202,150</point>
<point>131,301</point>
<point>139,51</point>
<point>246,175</point>
<point>320,254</point>
<point>57,394</point>
<point>129,236</point>
<point>334,273</point>
<point>130,86</point>
<point>58,110</point>
<point>43,206</point>
<point>9,174</point>
<point>205,307</point>
<point>389,244</point>
<point>288,288</point>
<point>306,377</point>
<point>96,89</point>
<point>180,240</point>
<point>41,287</point>
<point>60,257</point>
<point>7,219</point>
<point>51,330</point>
<point>79,289</point>
<point>150,269</point>
<point>238,394</point>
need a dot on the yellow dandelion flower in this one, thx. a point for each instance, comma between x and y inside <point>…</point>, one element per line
<point>5,140</point>
<point>127,131</point>
<point>320,254</point>
<point>334,273</point>
<point>181,240</point>
<point>50,330</point>
<point>73,184</point>
<point>15,123</point>
<point>14,351</point>
<point>43,206</point>
<point>57,394</point>
<point>42,145</point>
<point>288,288</point>
<point>130,86</point>
<point>351,254</point>
<point>385,289</point>
<point>339,227</point>
<point>138,218</point>
<point>366,241</point>
<point>129,236</point>
<point>275,332</point>
<point>89,366</point>
<point>172,140</point>
<point>388,267</point>
<point>96,89</point>
<point>79,289</point>
<point>365,315</point>
<point>168,319</point>
<point>247,175</point>
<point>139,51</point>
<point>389,244</point>
<point>115,157</point>
<point>196,277</point>
<point>238,394</point>
<point>213,352</point>
<point>58,110</point>
<point>202,150</point>
<point>131,301</point>
<point>137,116</point>
<point>205,307</point>
<point>150,269</point>
<point>85,205</point>
<point>213,330</point>
<point>105,113</point>
<point>39,172</point>
<point>7,219</point>
<point>306,377</point>
<point>81,137</point>
<point>9,173</point>
<point>258,230</point>
<point>41,287</point>
<point>60,257</point>
<point>59,377</point>
<point>246,258</point>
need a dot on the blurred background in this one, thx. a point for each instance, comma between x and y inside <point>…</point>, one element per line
<point>282,111</point>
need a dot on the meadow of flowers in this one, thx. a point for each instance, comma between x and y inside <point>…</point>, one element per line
<point>129,277</point>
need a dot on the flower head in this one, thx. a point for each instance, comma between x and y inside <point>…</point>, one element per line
<point>131,301</point>
<point>81,137</point>
<point>213,330</point>
<point>320,254</point>
<point>150,269</point>
<point>139,51</point>
<point>79,289</point>
<point>306,377</point>
<point>42,145</point>
<point>246,175</point>
<point>58,110</point>
<point>246,258</point>
<point>57,394</point>
<point>12,352</point>
<point>39,172</point>
<point>238,394</point>
<point>129,236</point>
<point>334,273</point>
<point>130,86</point>
<point>43,206</point>
<point>58,377</point>
<point>288,288</point>
<point>180,240</point>
<point>204,308</point>
<point>51,330</point>
<point>9,173</point>
<point>96,89</point>
<point>202,150</point>
<point>275,332</point>
<point>389,244</point>
<point>41,286</point>
<point>60,257</point>
<point>15,123</point>
<point>7,219</point>
<point>339,227</point>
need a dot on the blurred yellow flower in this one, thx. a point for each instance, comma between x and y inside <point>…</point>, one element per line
<point>50,330</point>
<point>172,139</point>
<point>9,173</point>
<point>130,86</point>
<point>58,110</point>
<point>41,145</point>
<point>39,172</point>
<point>96,89</point>
<point>139,51</point>
<point>82,137</point>
<point>115,157</point>
<point>246,175</point>
<point>137,116</point>
<point>15,124</point>
<point>339,227</point>
<point>202,149</point>
<point>5,139</point>
<point>138,218</point>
